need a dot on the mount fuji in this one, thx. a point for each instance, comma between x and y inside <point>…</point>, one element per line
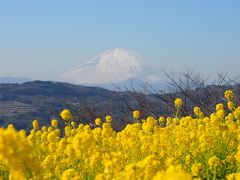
<point>119,66</point>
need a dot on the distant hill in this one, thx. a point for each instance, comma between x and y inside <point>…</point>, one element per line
<point>130,84</point>
<point>43,100</point>
<point>13,80</point>
<point>20,104</point>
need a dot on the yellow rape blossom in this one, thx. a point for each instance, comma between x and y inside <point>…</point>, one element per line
<point>136,114</point>
<point>108,119</point>
<point>54,123</point>
<point>178,103</point>
<point>206,147</point>
<point>229,95</point>
<point>35,124</point>
<point>66,115</point>
<point>98,121</point>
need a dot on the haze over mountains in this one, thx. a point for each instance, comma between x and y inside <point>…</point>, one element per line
<point>13,80</point>
<point>115,66</point>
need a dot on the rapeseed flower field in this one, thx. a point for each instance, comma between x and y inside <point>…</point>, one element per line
<point>198,147</point>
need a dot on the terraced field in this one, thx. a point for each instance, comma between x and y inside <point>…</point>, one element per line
<point>11,108</point>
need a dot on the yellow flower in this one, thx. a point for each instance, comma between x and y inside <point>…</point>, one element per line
<point>188,160</point>
<point>161,119</point>
<point>231,105</point>
<point>196,169</point>
<point>234,176</point>
<point>220,113</point>
<point>98,121</point>
<point>178,103</point>
<point>74,125</point>
<point>44,128</point>
<point>51,136</point>
<point>173,173</point>
<point>146,150</point>
<point>70,174</point>
<point>54,123</point>
<point>229,95</point>
<point>197,111</point>
<point>108,119</point>
<point>213,162</point>
<point>17,153</point>
<point>66,115</point>
<point>219,106</point>
<point>48,162</point>
<point>35,124</point>
<point>136,114</point>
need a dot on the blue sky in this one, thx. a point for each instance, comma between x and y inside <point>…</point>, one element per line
<point>42,39</point>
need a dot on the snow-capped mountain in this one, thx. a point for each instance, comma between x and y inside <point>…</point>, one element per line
<point>114,66</point>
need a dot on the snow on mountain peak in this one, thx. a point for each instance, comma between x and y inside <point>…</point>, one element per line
<point>119,60</point>
<point>112,66</point>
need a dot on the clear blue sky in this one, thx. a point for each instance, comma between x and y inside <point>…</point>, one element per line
<point>41,39</point>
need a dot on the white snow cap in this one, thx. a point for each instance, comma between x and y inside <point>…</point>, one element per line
<point>112,66</point>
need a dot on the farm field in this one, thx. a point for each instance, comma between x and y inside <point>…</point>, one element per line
<point>9,108</point>
<point>176,147</point>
